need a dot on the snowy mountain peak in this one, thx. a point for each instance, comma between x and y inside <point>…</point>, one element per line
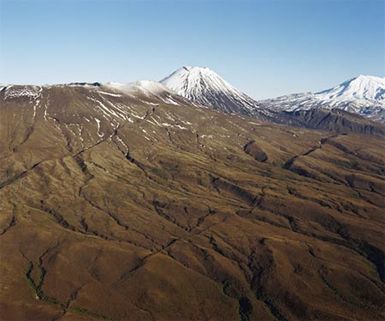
<point>193,80</point>
<point>364,95</point>
<point>195,68</point>
<point>360,87</point>
<point>205,87</point>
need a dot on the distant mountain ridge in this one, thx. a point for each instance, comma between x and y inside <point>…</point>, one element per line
<point>201,86</point>
<point>340,109</point>
<point>326,110</point>
<point>362,95</point>
<point>361,87</point>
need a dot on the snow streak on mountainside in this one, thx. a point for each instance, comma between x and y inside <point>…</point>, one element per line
<point>147,88</point>
<point>364,95</point>
<point>144,86</point>
<point>204,87</point>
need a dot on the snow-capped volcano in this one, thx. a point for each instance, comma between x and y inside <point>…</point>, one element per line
<point>368,88</point>
<point>364,95</point>
<point>204,87</point>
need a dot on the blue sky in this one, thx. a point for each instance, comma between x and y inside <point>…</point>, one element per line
<point>264,47</point>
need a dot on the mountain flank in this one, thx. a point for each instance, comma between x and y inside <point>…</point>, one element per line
<point>135,204</point>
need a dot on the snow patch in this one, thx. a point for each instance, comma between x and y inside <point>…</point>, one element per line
<point>98,132</point>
